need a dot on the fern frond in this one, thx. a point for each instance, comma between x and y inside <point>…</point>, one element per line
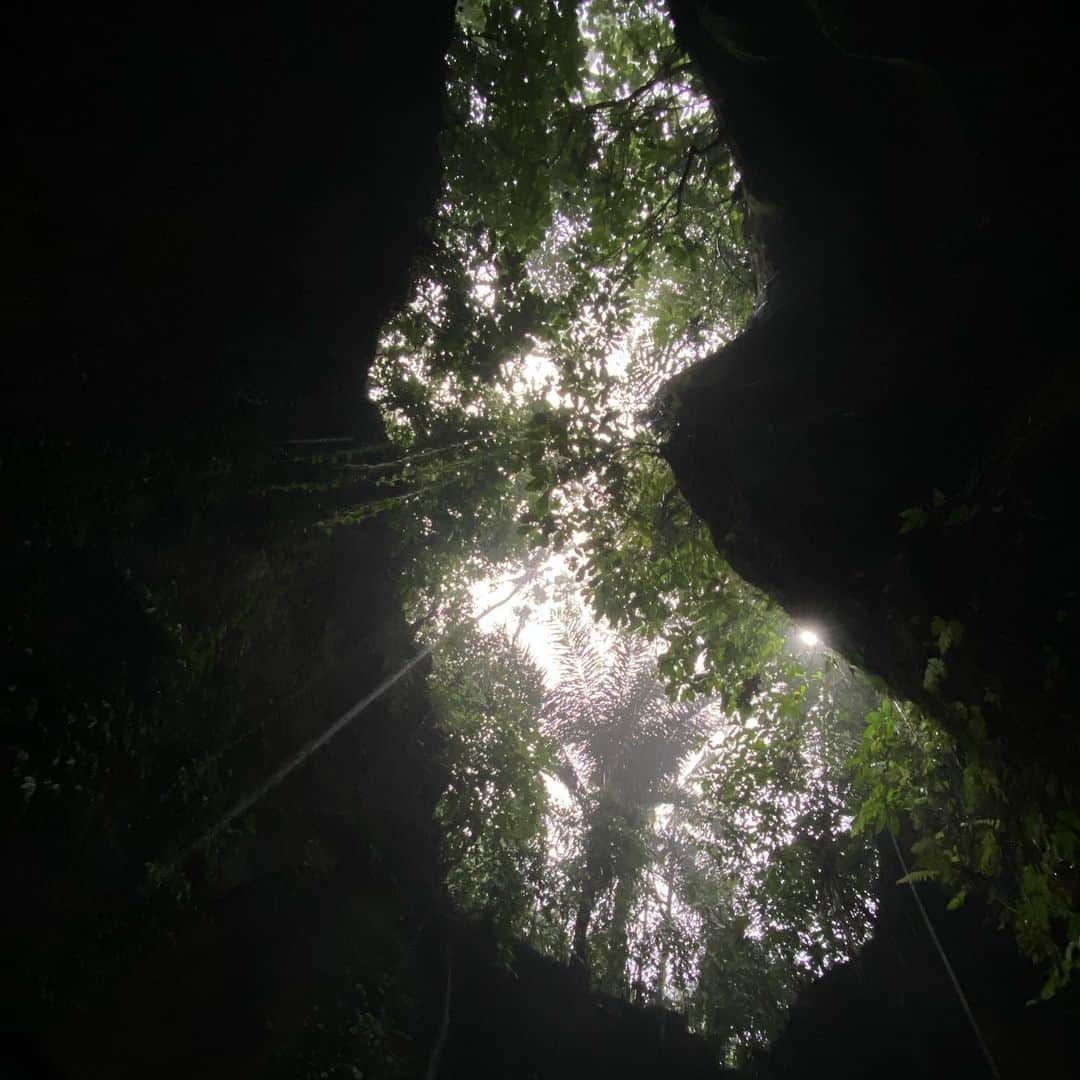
<point>917,877</point>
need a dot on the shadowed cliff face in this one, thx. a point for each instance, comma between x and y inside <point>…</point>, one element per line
<point>212,218</point>
<point>893,438</point>
<point>214,212</point>
<point>912,354</point>
<point>893,1011</point>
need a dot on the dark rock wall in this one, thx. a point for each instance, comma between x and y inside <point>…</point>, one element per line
<point>905,176</point>
<point>906,181</point>
<point>210,219</point>
<point>894,1012</point>
<point>206,220</point>
<point>519,1014</point>
<point>213,212</point>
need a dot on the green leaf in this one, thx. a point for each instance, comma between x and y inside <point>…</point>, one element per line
<point>934,674</point>
<point>914,517</point>
<point>961,515</point>
<point>917,877</point>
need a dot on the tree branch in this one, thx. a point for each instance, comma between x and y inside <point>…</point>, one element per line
<point>664,72</point>
<point>409,459</point>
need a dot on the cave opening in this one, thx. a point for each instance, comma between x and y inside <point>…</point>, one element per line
<point>529,551</point>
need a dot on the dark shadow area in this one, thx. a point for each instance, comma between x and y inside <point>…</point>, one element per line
<point>908,187</point>
<point>893,437</point>
<point>209,220</point>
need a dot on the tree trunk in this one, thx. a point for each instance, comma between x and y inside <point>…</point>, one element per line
<point>665,948</point>
<point>615,962</point>
<point>580,951</point>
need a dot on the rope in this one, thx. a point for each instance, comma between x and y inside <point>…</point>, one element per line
<point>444,1024</point>
<point>991,1063</point>
<point>293,762</point>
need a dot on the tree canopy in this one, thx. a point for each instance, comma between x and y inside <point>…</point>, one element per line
<point>678,800</point>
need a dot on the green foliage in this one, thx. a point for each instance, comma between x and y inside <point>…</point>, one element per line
<point>776,796</point>
<point>982,825</point>
<point>609,711</point>
<point>714,869</point>
<point>914,517</point>
<point>130,767</point>
<point>588,243</point>
<point>946,633</point>
<point>588,214</point>
<point>934,675</point>
<point>653,569</point>
<point>940,512</point>
<point>758,884</point>
<point>621,740</point>
<point>488,694</point>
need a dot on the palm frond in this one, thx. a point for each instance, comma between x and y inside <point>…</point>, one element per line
<point>612,710</point>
